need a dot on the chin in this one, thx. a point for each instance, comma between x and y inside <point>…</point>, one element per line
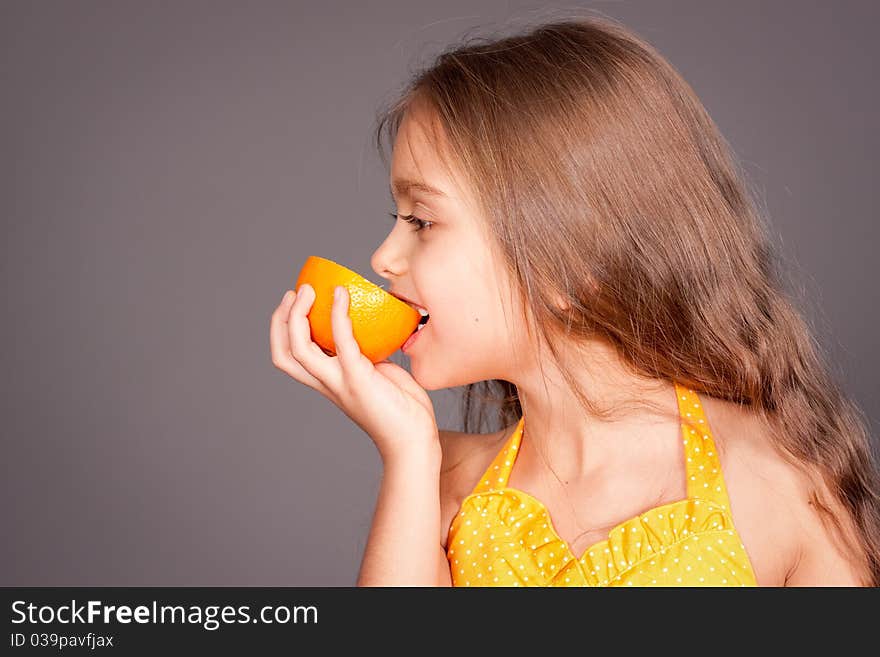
<point>432,380</point>
<point>437,373</point>
<point>424,378</point>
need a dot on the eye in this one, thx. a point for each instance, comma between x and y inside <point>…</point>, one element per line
<point>412,219</point>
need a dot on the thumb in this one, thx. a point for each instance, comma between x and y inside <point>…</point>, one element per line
<point>400,376</point>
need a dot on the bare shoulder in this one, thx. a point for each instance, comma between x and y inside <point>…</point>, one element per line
<point>772,501</point>
<point>465,458</point>
<point>829,553</point>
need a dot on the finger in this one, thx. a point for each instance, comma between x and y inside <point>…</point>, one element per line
<point>347,349</point>
<point>279,344</point>
<point>304,350</point>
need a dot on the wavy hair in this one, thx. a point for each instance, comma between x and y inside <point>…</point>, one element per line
<point>585,140</point>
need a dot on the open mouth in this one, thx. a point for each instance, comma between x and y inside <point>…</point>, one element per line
<point>423,312</point>
<point>423,321</point>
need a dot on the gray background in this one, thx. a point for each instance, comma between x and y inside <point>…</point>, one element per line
<point>167,168</point>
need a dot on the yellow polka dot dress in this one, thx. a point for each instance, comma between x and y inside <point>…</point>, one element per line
<point>502,536</point>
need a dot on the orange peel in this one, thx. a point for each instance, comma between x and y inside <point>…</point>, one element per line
<point>380,322</point>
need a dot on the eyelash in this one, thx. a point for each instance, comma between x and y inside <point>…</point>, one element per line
<point>412,219</point>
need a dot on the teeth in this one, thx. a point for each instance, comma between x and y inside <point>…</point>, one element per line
<point>422,312</point>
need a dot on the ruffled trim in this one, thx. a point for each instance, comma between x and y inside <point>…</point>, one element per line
<point>530,551</point>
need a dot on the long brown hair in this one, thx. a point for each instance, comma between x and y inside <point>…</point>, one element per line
<point>609,186</point>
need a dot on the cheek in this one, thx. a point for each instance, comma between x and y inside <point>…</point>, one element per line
<point>468,332</point>
<point>468,338</point>
<point>465,311</point>
<point>462,288</point>
<point>463,325</point>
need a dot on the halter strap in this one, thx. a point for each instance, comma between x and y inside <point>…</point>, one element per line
<point>496,475</point>
<point>702,465</point>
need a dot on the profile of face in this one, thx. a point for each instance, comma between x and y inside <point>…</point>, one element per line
<point>448,268</point>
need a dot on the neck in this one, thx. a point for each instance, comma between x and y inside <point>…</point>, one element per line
<point>637,415</point>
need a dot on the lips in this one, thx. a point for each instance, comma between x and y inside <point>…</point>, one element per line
<point>408,301</point>
<point>405,347</point>
<point>413,304</point>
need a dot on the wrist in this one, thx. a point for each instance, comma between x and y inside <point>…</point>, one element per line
<point>423,454</point>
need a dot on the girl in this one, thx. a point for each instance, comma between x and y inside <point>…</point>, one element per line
<point>585,244</point>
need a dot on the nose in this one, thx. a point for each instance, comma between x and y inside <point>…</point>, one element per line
<point>388,260</point>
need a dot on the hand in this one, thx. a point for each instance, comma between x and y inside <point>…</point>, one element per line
<point>382,399</point>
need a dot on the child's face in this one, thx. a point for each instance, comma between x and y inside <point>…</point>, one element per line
<point>448,269</point>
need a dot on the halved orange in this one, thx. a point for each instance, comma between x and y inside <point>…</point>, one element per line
<point>380,322</point>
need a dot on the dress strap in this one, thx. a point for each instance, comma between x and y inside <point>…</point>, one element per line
<point>703,467</point>
<point>496,475</point>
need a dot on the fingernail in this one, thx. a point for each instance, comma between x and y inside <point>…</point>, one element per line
<point>337,293</point>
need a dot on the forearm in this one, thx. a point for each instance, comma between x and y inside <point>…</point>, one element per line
<point>405,535</point>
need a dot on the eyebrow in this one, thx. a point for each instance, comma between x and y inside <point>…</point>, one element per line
<point>402,187</point>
